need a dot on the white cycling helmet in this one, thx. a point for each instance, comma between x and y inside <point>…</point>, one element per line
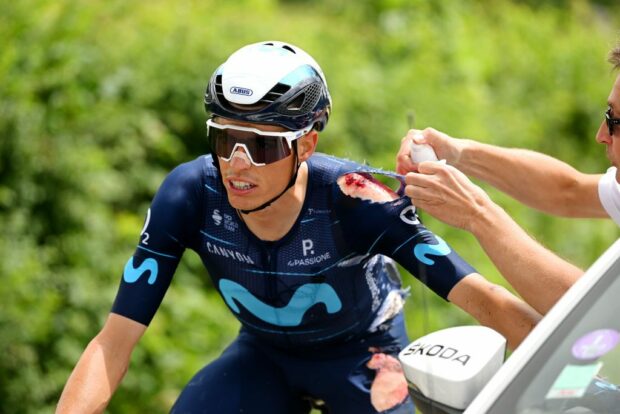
<point>270,83</point>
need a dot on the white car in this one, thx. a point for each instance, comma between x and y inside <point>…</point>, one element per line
<point>569,364</point>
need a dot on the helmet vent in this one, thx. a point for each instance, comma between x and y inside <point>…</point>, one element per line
<point>290,49</point>
<point>305,101</point>
<point>287,47</point>
<point>313,94</point>
<point>218,88</point>
<point>297,104</point>
<point>275,93</point>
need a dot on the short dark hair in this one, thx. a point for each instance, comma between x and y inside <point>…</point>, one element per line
<point>614,56</point>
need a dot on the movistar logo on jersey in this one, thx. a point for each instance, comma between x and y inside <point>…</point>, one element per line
<point>131,274</point>
<point>304,298</point>
<point>423,250</point>
<point>237,90</point>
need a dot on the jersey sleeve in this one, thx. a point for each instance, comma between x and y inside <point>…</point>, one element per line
<point>394,229</point>
<point>170,222</point>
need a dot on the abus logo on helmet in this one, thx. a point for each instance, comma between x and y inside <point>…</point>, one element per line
<point>241,91</point>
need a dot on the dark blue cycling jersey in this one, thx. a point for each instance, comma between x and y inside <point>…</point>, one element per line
<point>330,278</point>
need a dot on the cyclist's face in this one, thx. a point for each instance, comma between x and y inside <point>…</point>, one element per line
<point>248,185</point>
<point>603,137</point>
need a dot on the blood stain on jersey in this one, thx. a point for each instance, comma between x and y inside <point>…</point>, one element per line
<point>366,187</point>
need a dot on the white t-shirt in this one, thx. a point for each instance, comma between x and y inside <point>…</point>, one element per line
<point>609,193</point>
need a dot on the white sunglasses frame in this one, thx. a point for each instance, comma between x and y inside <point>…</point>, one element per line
<point>290,136</point>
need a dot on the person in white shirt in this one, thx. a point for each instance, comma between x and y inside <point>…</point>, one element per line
<point>609,193</point>
<point>537,180</point>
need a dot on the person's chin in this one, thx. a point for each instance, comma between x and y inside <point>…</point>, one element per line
<point>238,203</point>
<point>611,159</point>
<point>243,203</point>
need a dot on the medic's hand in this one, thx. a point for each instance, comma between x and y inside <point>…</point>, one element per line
<point>447,194</point>
<point>445,147</point>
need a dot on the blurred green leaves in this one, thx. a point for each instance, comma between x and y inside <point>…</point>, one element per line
<point>100,99</point>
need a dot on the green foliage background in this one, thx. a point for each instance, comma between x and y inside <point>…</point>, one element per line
<point>100,99</point>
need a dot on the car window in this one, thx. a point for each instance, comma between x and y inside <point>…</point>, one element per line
<point>577,369</point>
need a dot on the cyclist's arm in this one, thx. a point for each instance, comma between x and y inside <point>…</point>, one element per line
<point>494,306</point>
<point>101,367</point>
<point>397,232</point>
<point>146,277</point>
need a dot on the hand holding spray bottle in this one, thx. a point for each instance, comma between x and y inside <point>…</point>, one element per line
<point>420,152</point>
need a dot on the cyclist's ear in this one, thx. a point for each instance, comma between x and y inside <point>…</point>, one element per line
<point>307,144</point>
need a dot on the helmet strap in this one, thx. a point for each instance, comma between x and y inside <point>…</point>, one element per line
<point>289,185</point>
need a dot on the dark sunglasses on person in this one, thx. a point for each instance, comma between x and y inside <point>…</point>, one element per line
<point>611,122</point>
<point>261,147</point>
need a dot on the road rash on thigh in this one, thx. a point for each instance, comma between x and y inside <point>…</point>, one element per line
<point>389,388</point>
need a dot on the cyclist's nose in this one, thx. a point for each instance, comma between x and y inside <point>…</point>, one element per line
<point>240,159</point>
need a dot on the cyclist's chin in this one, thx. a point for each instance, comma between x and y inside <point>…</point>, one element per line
<point>245,202</point>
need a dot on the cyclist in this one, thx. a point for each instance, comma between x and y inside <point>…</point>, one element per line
<point>297,244</point>
<point>535,179</point>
